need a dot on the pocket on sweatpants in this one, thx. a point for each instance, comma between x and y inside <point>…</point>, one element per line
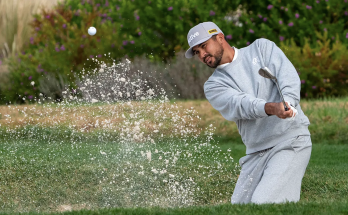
<point>301,142</point>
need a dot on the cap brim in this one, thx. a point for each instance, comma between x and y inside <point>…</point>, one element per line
<point>189,53</point>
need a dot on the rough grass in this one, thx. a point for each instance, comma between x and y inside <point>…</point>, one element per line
<point>55,169</point>
<point>328,118</point>
<point>62,176</point>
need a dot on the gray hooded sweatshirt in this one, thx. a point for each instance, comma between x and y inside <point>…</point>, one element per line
<point>239,93</point>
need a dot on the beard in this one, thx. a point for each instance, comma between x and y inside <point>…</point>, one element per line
<point>217,56</point>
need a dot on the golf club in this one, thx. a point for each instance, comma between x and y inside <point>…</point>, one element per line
<point>266,73</point>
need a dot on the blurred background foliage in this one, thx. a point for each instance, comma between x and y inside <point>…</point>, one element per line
<point>45,46</point>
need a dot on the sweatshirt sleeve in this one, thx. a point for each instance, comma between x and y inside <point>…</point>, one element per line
<point>233,105</point>
<point>287,76</point>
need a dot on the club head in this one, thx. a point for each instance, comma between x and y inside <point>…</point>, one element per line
<point>265,72</point>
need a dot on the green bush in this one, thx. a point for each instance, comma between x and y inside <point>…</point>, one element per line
<point>322,68</point>
<point>297,19</point>
<point>59,50</point>
<point>61,47</point>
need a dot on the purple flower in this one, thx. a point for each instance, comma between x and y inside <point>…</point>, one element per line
<point>286,9</point>
<point>325,29</point>
<point>97,5</point>
<point>57,49</point>
<point>332,38</point>
<point>180,17</point>
<point>64,25</point>
<point>212,13</point>
<point>124,42</point>
<point>251,31</point>
<point>321,22</point>
<point>106,3</point>
<point>21,83</point>
<point>345,1</point>
<point>229,37</point>
<point>139,33</point>
<point>62,48</point>
<point>99,55</point>
<point>121,26</point>
<point>31,40</point>
<point>112,45</point>
<point>82,46</point>
<point>252,19</point>
<point>346,13</point>
<point>248,43</point>
<point>303,81</point>
<point>297,15</point>
<point>347,36</point>
<point>91,56</point>
<point>281,38</point>
<point>137,17</point>
<point>30,97</point>
<point>269,7</point>
<point>132,42</point>
<point>149,2</point>
<point>291,24</point>
<point>318,2</point>
<point>0,62</point>
<point>117,8</point>
<point>170,8</point>
<point>280,22</point>
<point>30,77</point>
<point>37,29</point>
<point>282,8</point>
<point>48,16</point>
<point>84,36</point>
<point>308,7</point>
<point>265,19</point>
<point>314,87</point>
<point>259,16</point>
<point>41,50</point>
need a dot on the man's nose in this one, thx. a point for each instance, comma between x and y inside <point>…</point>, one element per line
<point>202,54</point>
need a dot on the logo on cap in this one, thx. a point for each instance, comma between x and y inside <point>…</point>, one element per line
<point>212,31</point>
<point>193,36</point>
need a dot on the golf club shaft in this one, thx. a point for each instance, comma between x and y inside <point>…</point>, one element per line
<point>285,107</point>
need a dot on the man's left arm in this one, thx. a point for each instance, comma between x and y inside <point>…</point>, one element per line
<point>287,76</point>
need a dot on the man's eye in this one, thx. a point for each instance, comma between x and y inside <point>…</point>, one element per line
<point>203,45</point>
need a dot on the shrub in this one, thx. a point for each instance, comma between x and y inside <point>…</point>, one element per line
<point>61,46</point>
<point>297,19</point>
<point>322,68</point>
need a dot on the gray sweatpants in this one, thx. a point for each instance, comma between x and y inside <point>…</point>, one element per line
<point>273,175</point>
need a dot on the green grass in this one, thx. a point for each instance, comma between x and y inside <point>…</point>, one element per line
<point>41,176</point>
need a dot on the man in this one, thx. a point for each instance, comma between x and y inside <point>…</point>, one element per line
<point>278,143</point>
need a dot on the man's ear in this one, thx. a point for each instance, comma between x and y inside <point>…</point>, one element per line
<point>220,38</point>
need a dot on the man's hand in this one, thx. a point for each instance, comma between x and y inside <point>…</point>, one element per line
<point>278,110</point>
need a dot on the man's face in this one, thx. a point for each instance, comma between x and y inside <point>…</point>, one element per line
<point>210,52</point>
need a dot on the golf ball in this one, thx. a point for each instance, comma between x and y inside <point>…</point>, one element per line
<point>92,31</point>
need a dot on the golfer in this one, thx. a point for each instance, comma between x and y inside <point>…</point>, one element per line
<point>278,143</point>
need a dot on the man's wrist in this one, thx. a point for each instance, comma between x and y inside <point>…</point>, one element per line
<point>269,108</point>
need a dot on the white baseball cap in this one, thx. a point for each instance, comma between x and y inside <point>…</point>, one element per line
<point>199,34</point>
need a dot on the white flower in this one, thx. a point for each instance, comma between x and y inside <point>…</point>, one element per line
<point>123,79</point>
<point>154,171</point>
<point>32,83</point>
<point>103,153</point>
<point>94,100</point>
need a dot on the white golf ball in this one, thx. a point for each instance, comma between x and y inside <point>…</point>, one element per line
<point>92,31</point>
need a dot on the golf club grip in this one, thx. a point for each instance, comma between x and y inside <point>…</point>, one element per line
<point>286,108</point>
